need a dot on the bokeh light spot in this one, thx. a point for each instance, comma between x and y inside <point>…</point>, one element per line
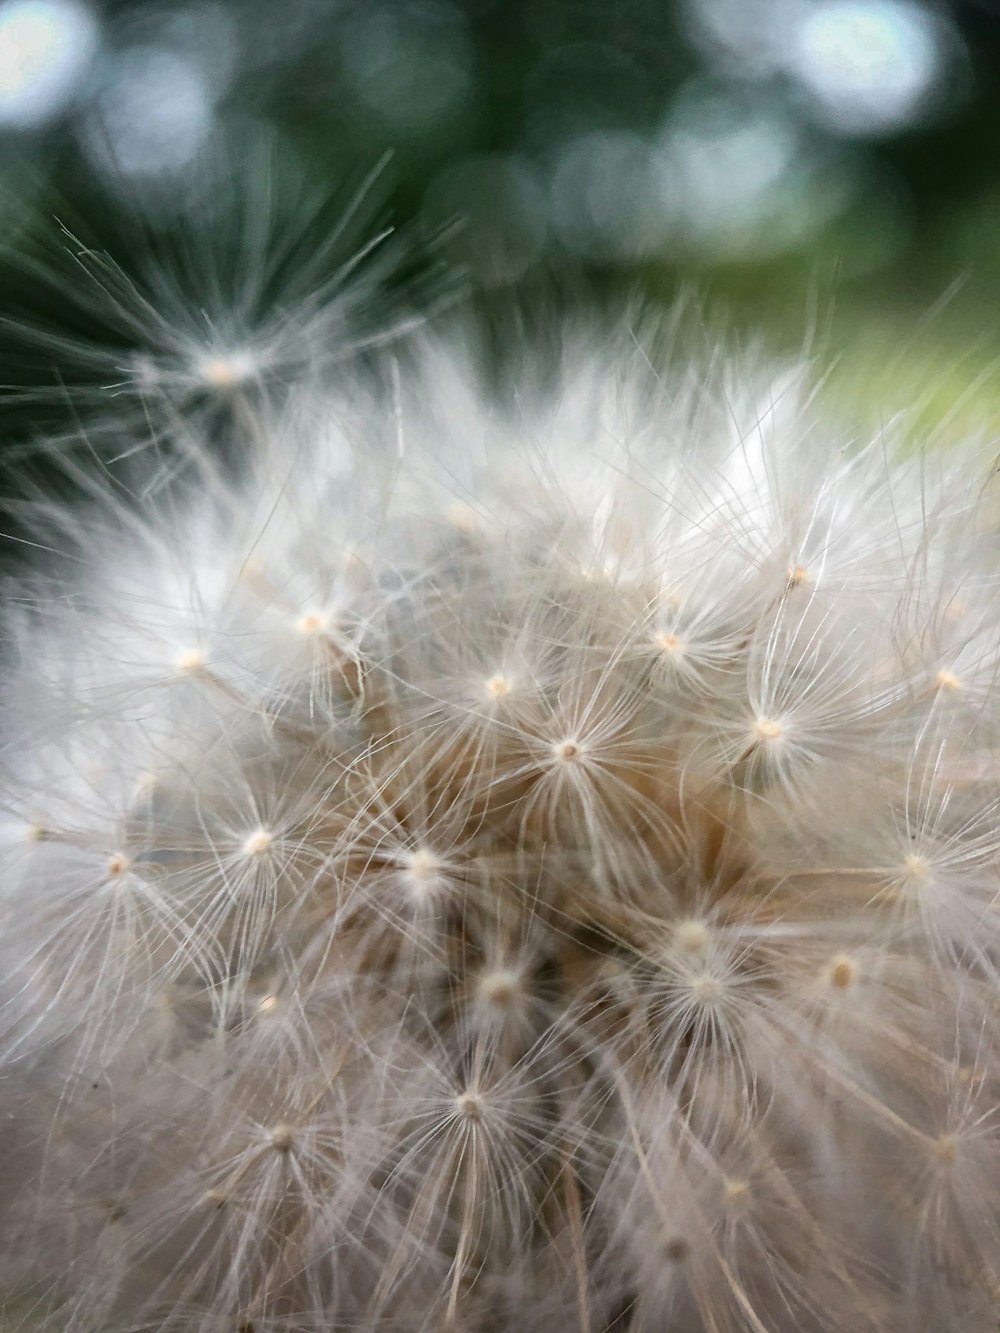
<point>46,47</point>
<point>410,64</point>
<point>154,113</point>
<point>868,65</point>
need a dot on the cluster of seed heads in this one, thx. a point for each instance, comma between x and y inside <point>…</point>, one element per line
<point>505,863</point>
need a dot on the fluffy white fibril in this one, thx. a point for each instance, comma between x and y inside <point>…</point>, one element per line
<point>507,863</point>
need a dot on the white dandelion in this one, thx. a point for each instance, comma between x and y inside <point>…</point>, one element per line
<point>491,861</point>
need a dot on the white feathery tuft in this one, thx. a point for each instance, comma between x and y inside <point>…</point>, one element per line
<point>506,862</point>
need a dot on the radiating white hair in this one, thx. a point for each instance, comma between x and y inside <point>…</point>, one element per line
<point>494,861</point>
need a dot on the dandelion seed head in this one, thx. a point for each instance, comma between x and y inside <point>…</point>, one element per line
<point>769,730</point>
<point>423,873</point>
<point>281,1137</point>
<point>498,686</point>
<point>190,662</point>
<point>947,680</point>
<point>568,751</point>
<point>692,936</point>
<point>227,372</point>
<point>670,644</point>
<point>610,928</point>
<point>706,988</point>
<point>798,576</point>
<point>917,867</point>
<point>313,622</point>
<point>945,1150</point>
<point>500,986</point>
<point>842,972</point>
<point>470,1106</point>
<point>257,843</point>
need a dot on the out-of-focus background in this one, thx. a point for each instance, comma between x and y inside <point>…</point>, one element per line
<point>822,168</point>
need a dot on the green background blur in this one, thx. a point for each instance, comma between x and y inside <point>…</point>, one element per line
<point>825,170</point>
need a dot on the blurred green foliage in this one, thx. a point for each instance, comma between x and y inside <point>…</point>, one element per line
<point>826,170</point>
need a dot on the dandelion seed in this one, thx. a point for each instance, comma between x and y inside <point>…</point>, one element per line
<point>258,843</point>
<point>314,622</point>
<point>769,730</point>
<point>917,867</point>
<point>470,1105</point>
<point>423,867</point>
<point>498,687</point>
<point>500,987</point>
<point>945,1150</point>
<point>282,1137</point>
<point>706,988</point>
<point>947,680</point>
<point>692,936</point>
<point>843,972</point>
<point>567,751</point>
<point>226,372</point>
<point>191,662</point>
<point>736,1190</point>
